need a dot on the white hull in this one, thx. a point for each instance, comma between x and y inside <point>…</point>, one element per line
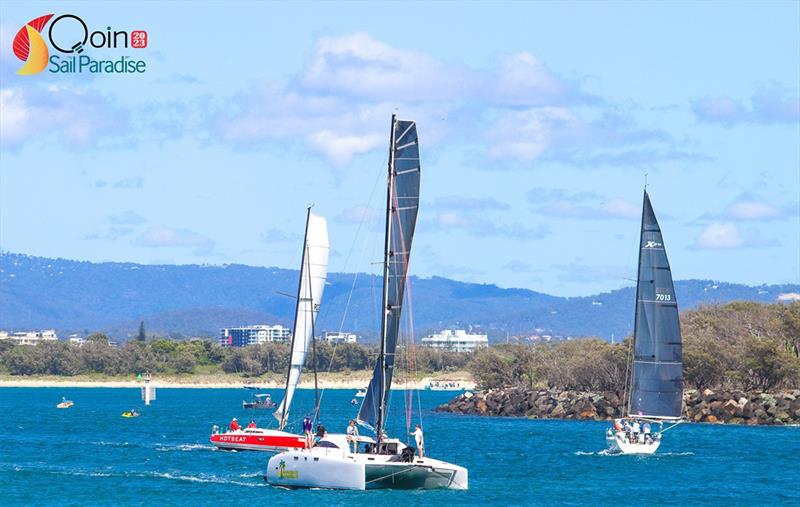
<point>338,468</point>
<point>618,442</point>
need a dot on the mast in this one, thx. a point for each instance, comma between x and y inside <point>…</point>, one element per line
<point>387,255</point>
<point>285,414</point>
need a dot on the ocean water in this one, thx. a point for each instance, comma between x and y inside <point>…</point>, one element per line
<point>89,455</point>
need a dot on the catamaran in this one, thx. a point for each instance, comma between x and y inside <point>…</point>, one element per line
<point>379,461</point>
<point>313,273</point>
<point>655,390</point>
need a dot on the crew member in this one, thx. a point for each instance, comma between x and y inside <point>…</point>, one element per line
<point>352,435</point>
<point>252,424</point>
<point>308,430</point>
<point>420,439</point>
<point>234,425</point>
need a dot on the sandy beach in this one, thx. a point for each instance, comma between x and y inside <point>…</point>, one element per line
<point>215,382</point>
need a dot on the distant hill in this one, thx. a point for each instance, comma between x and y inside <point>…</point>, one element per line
<point>72,296</point>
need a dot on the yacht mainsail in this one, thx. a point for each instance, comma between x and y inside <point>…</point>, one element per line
<point>313,272</point>
<point>402,200</point>
<point>657,374</point>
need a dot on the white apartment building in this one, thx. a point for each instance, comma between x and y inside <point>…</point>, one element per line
<point>455,340</point>
<point>29,337</point>
<point>253,335</point>
<point>336,337</point>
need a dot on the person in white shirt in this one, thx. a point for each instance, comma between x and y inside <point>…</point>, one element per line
<point>420,439</point>
<point>352,435</point>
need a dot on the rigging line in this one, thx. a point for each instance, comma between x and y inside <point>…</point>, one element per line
<point>363,249</point>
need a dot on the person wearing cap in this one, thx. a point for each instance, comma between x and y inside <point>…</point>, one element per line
<point>234,425</point>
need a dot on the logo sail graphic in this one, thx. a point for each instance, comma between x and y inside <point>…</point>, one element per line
<point>29,46</point>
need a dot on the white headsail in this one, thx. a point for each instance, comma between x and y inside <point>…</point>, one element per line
<point>313,272</point>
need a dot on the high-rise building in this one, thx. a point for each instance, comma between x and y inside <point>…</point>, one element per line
<point>455,340</point>
<point>253,335</point>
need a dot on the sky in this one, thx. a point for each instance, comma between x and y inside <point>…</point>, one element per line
<point>538,124</point>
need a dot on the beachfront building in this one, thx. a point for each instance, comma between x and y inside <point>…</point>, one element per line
<point>455,340</point>
<point>253,335</point>
<point>337,337</point>
<point>29,337</point>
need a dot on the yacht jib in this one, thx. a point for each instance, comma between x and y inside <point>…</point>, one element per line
<point>655,387</point>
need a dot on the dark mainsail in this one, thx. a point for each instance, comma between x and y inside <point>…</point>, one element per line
<point>657,376</point>
<point>402,200</point>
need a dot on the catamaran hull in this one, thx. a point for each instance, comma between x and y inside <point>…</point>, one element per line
<point>264,440</point>
<point>620,445</point>
<point>302,469</point>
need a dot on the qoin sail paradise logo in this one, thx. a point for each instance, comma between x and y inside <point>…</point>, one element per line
<point>70,37</point>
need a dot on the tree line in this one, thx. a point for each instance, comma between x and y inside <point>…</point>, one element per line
<point>162,355</point>
<point>750,346</point>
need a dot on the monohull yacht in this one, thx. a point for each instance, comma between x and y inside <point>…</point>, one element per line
<point>654,391</point>
<point>313,273</point>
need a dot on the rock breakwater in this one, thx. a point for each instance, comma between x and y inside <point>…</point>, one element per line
<point>731,407</point>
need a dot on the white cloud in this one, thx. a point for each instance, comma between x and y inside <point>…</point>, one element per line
<point>770,103</point>
<point>166,237</point>
<point>360,66</point>
<point>611,209</point>
<point>341,148</point>
<point>721,236</point>
<point>79,117</point>
<point>752,207</point>
<point>525,135</point>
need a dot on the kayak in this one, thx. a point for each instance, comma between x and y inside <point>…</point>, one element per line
<point>65,404</point>
<point>131,414</point>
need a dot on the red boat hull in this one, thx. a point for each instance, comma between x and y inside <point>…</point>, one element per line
<point>258,440</point>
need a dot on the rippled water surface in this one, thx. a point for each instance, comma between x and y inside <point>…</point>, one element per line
<point>89,455</point>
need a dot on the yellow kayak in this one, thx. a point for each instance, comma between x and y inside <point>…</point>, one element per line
<point>65,404</point>
<point>130,414</point>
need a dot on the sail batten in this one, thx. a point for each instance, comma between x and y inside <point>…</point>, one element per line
<point>401,209</point>
<point>657,372</point>
<point>313,273</point>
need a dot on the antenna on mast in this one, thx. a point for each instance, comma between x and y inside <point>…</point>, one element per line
<point>645,181</point>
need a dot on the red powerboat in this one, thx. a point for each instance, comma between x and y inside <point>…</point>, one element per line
<point>257,439</point>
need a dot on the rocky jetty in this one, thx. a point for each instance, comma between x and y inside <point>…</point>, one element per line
<point>732,407</point>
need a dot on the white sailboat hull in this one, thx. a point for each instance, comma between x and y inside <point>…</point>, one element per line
<point>310,469</point>
<point>332,465</point>
<point>618,442</point>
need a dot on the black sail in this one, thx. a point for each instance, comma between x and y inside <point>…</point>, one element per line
<point>402,205</point>
<point>657,376</point>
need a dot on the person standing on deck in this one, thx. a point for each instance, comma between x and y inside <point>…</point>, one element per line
<point>352,435</point>
<point>234,425</point>
<point>308,430</point>
<point>420,439</point>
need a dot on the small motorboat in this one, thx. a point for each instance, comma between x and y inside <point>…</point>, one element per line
<point>259,401</point>
<point>65,403</point>
<point>361,393</point>
<point>444,385</point>
<point>130,413</point>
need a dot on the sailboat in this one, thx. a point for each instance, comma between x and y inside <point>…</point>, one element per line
<point>379,461</point>
<point>655,390</point>
<point>313,273</point>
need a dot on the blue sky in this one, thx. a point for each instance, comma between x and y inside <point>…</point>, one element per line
<point>537,123</point>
